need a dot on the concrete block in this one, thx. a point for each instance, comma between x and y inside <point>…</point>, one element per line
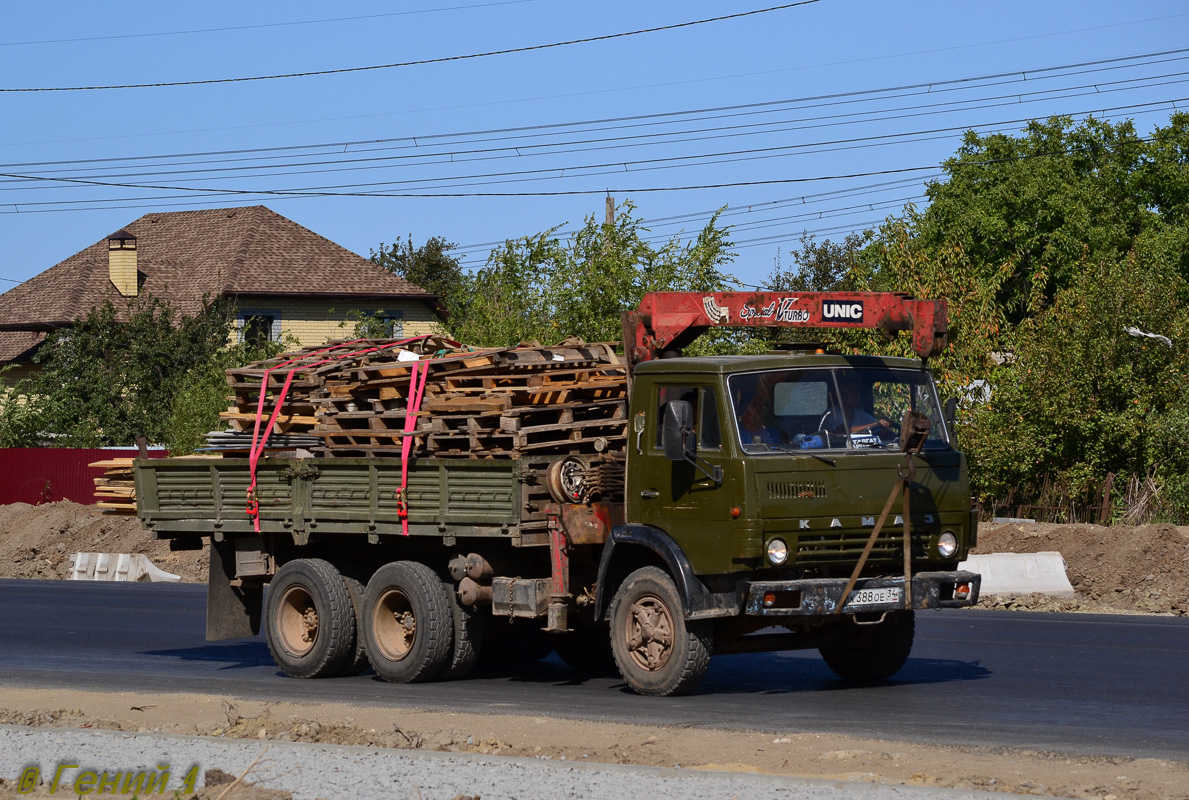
<point>1021,573</point>
<point>129,567</point>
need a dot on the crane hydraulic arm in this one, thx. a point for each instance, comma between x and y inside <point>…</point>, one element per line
<point>668,321</point>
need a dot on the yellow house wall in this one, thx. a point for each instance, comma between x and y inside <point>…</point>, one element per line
<point>315,321</point>
<point>18,372</point>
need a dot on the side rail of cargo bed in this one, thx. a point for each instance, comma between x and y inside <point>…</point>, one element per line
<point>446,497</point>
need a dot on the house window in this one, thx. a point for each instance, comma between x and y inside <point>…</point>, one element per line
<point>259,325</point>
<point>381,324</point>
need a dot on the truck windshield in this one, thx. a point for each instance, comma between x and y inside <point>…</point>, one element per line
<point>831,409</point>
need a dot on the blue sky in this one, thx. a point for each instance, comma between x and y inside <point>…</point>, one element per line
<point>771,110</point>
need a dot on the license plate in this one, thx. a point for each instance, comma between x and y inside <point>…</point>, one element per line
<point>872,597</point>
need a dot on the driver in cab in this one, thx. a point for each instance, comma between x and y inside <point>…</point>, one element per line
<point>851,401</point>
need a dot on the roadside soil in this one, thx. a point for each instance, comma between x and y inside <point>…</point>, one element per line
<point>1128,570</point>
<point>1113,569</point>
<point>38,541</point>
<point>806,755</point>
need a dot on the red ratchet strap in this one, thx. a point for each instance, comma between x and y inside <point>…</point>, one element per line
<point>412,405</point>
<point>258,440</point>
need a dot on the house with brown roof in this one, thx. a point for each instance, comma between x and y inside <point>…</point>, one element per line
<point>285,279</point>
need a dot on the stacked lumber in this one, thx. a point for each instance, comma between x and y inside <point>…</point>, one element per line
<point>115,490</point>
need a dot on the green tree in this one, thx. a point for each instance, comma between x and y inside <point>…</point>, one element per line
<point>430,266</point>
<point>824,266</point>
<point>1059,196</point>
<point>539,287</point>
<point>120,372</point>
<point>1082,397</point>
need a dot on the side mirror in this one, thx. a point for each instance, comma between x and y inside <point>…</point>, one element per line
<point>950,412</point>
<point>677,431</point>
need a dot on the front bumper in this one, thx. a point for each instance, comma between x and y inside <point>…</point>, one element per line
<point>820,596</point>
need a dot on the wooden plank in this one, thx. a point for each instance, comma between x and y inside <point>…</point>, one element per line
<point>282,419</point>
<point>454,404</point>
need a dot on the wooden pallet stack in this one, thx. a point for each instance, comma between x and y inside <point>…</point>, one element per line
<point>299,411</point>
<point>512,403</point>
<point>527,401</point>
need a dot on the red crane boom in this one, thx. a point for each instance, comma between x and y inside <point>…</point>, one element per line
<point>671,320</point>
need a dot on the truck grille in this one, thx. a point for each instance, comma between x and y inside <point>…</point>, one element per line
<point>796,490</point>
<point>838,547</point>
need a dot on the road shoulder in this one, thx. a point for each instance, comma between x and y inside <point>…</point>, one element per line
<point>800,755</point>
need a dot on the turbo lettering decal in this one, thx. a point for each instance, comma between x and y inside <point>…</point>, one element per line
<point>842,311</point>
<point>786,312</point>
<point>781,310</point>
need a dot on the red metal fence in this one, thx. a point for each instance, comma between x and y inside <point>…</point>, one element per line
<point>45,474</point>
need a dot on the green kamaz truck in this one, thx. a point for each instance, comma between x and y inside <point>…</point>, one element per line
<point>793,500</point>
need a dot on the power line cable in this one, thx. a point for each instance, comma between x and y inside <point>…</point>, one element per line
<point>557,173</point>
<point>930,87</point>
<point>668,84</point>
<point>585,145</point>
<point>421,62</point>
<point>294,23</point>
<point>326,191</point>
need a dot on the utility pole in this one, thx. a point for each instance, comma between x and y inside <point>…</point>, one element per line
<point>608,222</point>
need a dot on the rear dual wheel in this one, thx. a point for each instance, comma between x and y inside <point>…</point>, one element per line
<point>309,619</point>
<point>408,623</point>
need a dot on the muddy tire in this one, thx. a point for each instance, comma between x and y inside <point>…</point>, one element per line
<point>469,623</point>
<point>309,622</point>
<point>658,652</point>
<point>408,627</point>
<point>357,662</point>
<point>872,652</point>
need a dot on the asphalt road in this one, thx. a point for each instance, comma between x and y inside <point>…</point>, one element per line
<point>1110,685</point>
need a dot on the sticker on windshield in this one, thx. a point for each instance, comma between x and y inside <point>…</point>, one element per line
<point>865,440</point>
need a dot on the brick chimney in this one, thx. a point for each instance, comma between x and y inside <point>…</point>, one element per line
<point>121,262</point>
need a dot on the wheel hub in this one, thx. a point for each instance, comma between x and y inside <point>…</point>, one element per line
<point>297,622</point>
<point>650,634</point>
<point>395,625</point>
<point>310,621</point>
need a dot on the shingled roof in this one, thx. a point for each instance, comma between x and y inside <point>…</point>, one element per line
<point>184,255</point>
<point>19,345</point>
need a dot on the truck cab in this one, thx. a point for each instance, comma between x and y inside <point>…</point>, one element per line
<point>767,485</point>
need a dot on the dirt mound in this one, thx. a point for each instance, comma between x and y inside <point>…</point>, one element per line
<point>1115,568</point>
<point>37,541</point>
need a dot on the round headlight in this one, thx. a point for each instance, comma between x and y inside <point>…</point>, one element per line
<point>778,551</point>
<point>947,544</point>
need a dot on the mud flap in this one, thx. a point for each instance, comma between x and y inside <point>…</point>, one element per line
<point>231,611</point>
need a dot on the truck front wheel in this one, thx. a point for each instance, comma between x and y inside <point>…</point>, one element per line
<point>872,652</point>
<point>408,629</point>
<point>657,650</point>
<point>309,620</point>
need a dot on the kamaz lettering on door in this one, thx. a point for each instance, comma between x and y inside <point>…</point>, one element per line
<point>842,311</point>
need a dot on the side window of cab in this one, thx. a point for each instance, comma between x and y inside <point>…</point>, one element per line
<point>703,403</point>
